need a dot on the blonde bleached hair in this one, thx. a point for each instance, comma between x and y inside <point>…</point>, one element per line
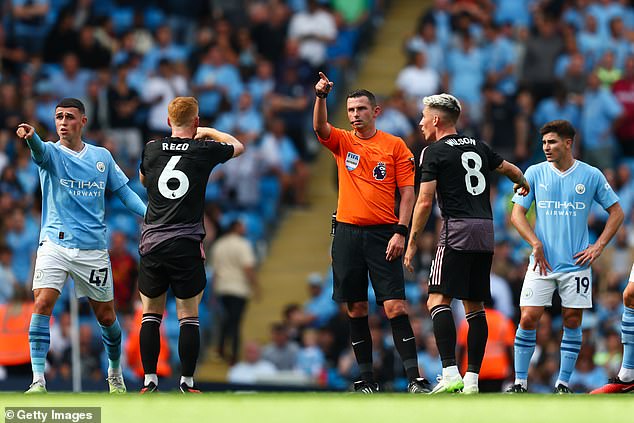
<point>445,103</point>
<point>182,111</point>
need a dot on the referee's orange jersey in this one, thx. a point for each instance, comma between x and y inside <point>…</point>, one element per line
<point>369,171</point>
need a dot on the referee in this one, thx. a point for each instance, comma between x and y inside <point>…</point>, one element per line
<point>369,237</point>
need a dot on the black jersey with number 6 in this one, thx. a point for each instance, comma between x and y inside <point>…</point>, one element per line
<point>176,172</point>
<point>461,167</point>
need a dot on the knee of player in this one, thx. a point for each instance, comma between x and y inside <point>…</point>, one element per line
<point>628,295</point>
<point>395,308</point>
<point>106,317</point>
<point>572,321</point>
<point>529,319</point>
<point>44,305</point>
<point>358,309</point>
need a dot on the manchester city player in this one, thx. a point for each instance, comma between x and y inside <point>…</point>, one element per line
<point>563,190</point>
<point>74,176</point>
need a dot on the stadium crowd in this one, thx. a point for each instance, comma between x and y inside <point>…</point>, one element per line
<point>251,64</point>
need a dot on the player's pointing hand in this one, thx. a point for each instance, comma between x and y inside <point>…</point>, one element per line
<point>25,131</point>
<point>324,85</point>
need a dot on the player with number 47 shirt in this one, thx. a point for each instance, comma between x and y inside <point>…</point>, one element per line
<point>457,170</point>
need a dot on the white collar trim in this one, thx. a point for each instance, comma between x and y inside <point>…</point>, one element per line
<point>78,154</point>
<point>567,172</point>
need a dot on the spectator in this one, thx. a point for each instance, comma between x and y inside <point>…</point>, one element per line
<point>600,110</point>
<point>124,273</point>
<point>281,351</point>
<point>123,108</point>
<point>623,90</point>
<point>235,281</point>
<point>426,41</point>
<point>310,358</point>
<point>314,29</point>
<point>158,91</point>
<point>283,161</point>
<point>320,307</point>
<point>8,283</point>
<point>71,81</point>
<point>418,80</point>
<point>252,368</point>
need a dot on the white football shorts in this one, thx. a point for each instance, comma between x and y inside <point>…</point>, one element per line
<point>575,288</point>
<point>90,269</point>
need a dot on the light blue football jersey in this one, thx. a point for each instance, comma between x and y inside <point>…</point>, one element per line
<point>562,204</point>
<point>73,187</point>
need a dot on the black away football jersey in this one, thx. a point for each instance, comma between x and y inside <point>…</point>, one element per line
<point>176,173</point>
<point>461,167</point>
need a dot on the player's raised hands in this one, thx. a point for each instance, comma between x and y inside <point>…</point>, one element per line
<point>323,86</point>
<point>25,131</point>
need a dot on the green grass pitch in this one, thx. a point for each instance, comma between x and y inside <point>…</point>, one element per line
<point>333,407</point>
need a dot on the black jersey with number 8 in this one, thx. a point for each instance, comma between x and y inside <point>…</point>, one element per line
<point>461,167</point>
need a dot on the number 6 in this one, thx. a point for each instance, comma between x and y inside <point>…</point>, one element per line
<point>170,173</point>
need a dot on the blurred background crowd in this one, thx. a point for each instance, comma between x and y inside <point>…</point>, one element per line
<point>252,64</point>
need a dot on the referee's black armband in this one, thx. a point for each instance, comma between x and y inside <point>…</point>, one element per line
<point>400,229</point>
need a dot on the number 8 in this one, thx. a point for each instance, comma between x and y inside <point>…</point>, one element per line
<point>473,172</point>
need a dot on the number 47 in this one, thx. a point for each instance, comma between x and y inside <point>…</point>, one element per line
<point>99,277</point>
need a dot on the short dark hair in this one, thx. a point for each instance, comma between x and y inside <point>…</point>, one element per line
<point>561,127</point>
<point>363,93</point>
<point>72,102</point>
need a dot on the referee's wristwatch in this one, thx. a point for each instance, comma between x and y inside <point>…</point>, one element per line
<point>400,229</point>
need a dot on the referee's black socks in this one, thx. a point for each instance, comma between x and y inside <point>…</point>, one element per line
<point>445,333</point>
<point>476,339</point>
<point>188,345</point>
<point>405,343</point>
<point>150,341</point>
<point>362,346</point>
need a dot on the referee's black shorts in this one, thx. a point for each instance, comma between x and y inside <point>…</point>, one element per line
<point>178,264</point>
<point>357,251</point>
<point>465,275</point>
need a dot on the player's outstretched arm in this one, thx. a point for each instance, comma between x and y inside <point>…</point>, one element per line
<point>320,111</point>
<point>131,200</point>
<point>27,133</point>
<point>422,210</point>
<point>216,135</point>
<point>520,185</point>
<point>519,220</point>
<point>590,254</point>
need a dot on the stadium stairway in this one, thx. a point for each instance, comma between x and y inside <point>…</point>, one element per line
<point>302,242</point>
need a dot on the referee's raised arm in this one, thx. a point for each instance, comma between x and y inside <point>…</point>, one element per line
<point>320,112</point>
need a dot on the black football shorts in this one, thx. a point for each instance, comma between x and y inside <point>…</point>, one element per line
<point>359,251</point>
<point>178,264</point>
<point>464,275</point>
